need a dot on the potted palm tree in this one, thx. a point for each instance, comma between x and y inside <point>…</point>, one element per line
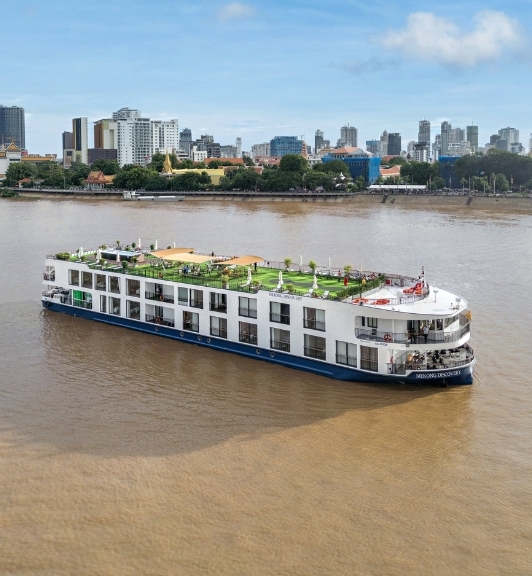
<point>312,265</point>
<point>287,262</point>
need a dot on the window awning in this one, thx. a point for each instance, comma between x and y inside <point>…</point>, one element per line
<point>242,261</point>
<point>170,251</point>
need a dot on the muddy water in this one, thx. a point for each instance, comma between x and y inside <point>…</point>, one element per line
<point>122,453</point>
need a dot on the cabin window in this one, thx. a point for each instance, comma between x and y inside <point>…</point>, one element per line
<point>196,298</point>
<point>314,319</point>
<point>101,282</point>
<point>449,321</point>
<point>315,347</point>
<point>218,327</point>
<point>247,332</point>
<point>114,306</point>
<point>103,304</point>
<point>346,353</point>
<point>190,321</point>
<point>86,280</point>
<point>369,358</point>
<point>73,277</point>
<point>82,299</point>
<point>218,302</point>
<point>114,284</point>
<point>133,310</point>
<point>369,322</point>
<point>182,296</point>
<point>280,339</point>
<point>133,287</point>
<point>280,312</point>
<point>247,307</point>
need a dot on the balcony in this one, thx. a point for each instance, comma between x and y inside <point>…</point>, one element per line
<point>49,276</point>
<point>373,335</point>
<point>317,353</point>
<point>191,326</point>
<point>247,338</point>
<point>159,297</point>
<point>219,332</point>
<point>369,365</point>
<point>248,312</point>
<point>346,360</point>
<point>218,307</point>
<point>314,324</point>
<point>280,345</point>
<point>196,303</point>
<point>160,320</point>
<point>280,318</point>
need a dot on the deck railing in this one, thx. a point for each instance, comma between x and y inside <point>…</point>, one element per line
<point>347,360</point>
<point>280,345</point>
<point>161,297</point>
<point>220,332</point>
<point>374,335</point>
<point>369,365</point>
<point>428,366</point>
<point>82,304</point>
<point>191,326</point>
<point>160,320</point>
<point>247,312</point>
<point>314,324</point>
<point>318,353</point>
<point>247,338</point>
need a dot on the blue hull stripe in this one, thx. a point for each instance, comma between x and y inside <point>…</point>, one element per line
<point>336,371</point>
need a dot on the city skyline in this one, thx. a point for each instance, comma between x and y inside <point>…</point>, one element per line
<point>475,49</point>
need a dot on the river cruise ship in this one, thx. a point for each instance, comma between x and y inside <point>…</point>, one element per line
<point>357,326</point>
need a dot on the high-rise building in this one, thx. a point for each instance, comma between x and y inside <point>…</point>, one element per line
<point>80,133</point>
<point>282,145</point>
<point>228,151</point>
<point>134,141</point>
<point>436,148</point>
<point>372,146</point>
<point>456,136</point>
<point>472,137</point>
<point>318,140</point>
<point>238,144</point>
<point>185,140</point>
<point>106,134</point>
<point>165,136</point>
<point>394,144</point>
<point>260,149</point>
<point>424,132</point>
<point>445,137</point>
<point>12,126</point>
<point>348,136</point>
<point>510,136</point>
<point>68,141</point>
<point>420,152</point>
<point>126,114</point>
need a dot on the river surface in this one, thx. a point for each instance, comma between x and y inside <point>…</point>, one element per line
<point>123,453</point>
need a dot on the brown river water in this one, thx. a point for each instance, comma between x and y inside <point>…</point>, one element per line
<point>123,453</point>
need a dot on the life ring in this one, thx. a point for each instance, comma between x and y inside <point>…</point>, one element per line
<point>160,274</point>
<point>387,337</point>
<point>382,302</point>
<point>161,298</point>
<point>46,303</point>
<point>157,320</point>
<point>357,300</point>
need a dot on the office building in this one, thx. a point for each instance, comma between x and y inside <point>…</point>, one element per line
<point>228,151</point>
<point>134,141</point>
<point>420,152</point>
<point>106,134</point>
<point>318,140</point>
<point>282,145</point>
<point>394,144</point>
<point>456,135</point>
<point>185,140</point>
<point>68,141</point>
<point>238,144</point>
<point>360,163</point>
<point>423,135</point>
<point>472,137</point>
<point>262,149</point>
<point>511,135</point>
<point>12,126</point>
<point>102,154</point>
<point>80,131</point>
<point>372,146</point>
<point>436,148</point>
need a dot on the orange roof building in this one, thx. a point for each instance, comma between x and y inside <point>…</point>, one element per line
<point>97,180</point>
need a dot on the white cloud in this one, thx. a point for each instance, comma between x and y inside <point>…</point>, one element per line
<point>236,10</point>
<point>438,39</point>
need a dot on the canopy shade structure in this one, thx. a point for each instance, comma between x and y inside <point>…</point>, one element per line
<point>189,258</point>
<point>242,261</point>
<point>170,252</point>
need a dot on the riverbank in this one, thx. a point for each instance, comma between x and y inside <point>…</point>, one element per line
<point>432,200</point>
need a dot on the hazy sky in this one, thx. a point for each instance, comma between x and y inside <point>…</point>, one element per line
<point>263,68</point>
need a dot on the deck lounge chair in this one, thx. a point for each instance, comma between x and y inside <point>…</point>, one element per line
<point>325,295</point>
<point>309,293</point>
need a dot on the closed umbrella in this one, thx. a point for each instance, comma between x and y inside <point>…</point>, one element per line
<point>156,245</point>
<point>117,256</point>
<point>329,262</point>
<point>280,278</point>
<point>139,244</point>
<point>315,283</point>
<point>300,260</point>
<point>98,255</point>
<point>80,251</point>
<point>249,275</point>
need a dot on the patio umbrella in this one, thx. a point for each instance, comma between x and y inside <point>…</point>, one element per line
<point>315,283</point>
<point>117,256</point>
<point>249,275</point>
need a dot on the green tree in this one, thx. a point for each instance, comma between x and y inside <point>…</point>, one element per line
<point>293,163</point>
<point>419,172</point>
<point>335,167</point>
<point>314,178</point>
<point>134,177</point>
<point>108,167</point>
<point>157,183</point>
<point>18,171</point>
<point>437,183</point>
<point>77,173</point>
<point>248,161</point>
<point>501,183</point>
<point>396,161</point>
